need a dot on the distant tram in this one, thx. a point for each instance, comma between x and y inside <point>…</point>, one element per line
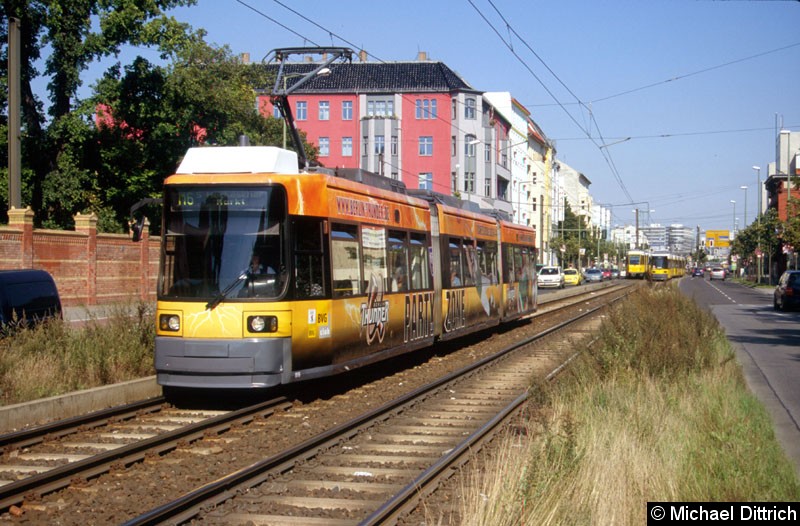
<point>665,266</point>
<point>637,264</point>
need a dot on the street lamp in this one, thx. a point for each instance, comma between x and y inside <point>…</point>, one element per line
<point>758,220</point>
<point>734,219</point>
<point>745,204</point>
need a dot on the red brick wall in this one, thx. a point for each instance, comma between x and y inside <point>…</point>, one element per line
<point>89,268</point>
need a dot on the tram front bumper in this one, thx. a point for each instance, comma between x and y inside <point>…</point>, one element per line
<point>222,363</point>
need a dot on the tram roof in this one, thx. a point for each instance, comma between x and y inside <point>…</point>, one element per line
<point>238,159</point>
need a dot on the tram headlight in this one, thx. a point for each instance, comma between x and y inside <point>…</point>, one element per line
<point>169,322</point>
<point>262,323</point>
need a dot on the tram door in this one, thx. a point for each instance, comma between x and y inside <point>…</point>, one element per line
<point>311,279</point>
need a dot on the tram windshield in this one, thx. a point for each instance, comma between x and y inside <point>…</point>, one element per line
<point>659,262</point>
<point>224,243</point>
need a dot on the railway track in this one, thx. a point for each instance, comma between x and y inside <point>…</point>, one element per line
<point>373,469</point>
<point>53,456</point>
<point>33,486</point>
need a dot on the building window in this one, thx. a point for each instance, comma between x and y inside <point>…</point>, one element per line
<point>469,109</point>
<point>324,146</point>
<point>453,150</point>
<point>426,181</point>
<point>487,153</point>
<point>347,110</point>
<point>365,145</point>
<point>454,182</point>
<point>534,204</point>
<point>453,106</point>
<point>347,146</point>
<point>469,182</point>
<point>395,145</point>
<point>470,141</point>
<point>426,109</point>
<point>301,111</point>
<point>380,146</point>
<point>324,110</point>
<point>426,146</point>
<point>380,108</point>
<point>487,186</point>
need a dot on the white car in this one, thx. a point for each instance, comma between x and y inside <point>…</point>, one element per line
<point>551,277</point>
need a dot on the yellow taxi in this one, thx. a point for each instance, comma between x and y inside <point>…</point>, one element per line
<point>572,277</point>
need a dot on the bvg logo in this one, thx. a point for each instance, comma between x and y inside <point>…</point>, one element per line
<point>375,312</point>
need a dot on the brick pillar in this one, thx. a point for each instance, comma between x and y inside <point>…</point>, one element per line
<point>144,261</point>
<point>23,220</point>
<point>87,224</point>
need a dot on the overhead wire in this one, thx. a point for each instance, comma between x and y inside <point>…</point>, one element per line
<point>346,41</point>
<point>698,72</point>
<point>600,146</point>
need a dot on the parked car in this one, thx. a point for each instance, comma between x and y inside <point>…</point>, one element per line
<point>572,277</point>
<point>787,292</point>
<point>27,297</point>
<point>606,273</point>
<point>551,277</point>
<point>593,275</point>
<point>614,273</point>
<point>717,273</point>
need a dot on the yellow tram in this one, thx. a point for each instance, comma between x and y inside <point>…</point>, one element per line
<point>271,275</point>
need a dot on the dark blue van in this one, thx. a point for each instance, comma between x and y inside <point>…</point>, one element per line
<point>27,296</point>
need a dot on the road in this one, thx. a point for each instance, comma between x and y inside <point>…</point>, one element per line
<point>767,345</point>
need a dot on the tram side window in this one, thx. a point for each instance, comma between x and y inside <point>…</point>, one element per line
<point>508,264</point>
<point>373,244</point>
<point>345,259</point>
<point>518,264</point>
<point>420,270</point>
<point>397,261</point>
<point>309,261</point>
<point>454,264</point>
<point>470,264</point>
<point>487,260</point>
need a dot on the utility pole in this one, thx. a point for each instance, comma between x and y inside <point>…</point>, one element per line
<point>14,108</point>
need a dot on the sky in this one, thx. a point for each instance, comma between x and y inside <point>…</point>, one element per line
<point>664,105</point>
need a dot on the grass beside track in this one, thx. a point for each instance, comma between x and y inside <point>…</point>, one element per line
<point>655,409</point>
<point>53,358</point>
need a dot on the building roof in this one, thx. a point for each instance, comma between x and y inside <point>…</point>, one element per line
<point>378,77</point>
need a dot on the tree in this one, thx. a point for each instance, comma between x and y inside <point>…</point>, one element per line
<point>105,153</point>
<point>67,28</point>
<point>148,116</point>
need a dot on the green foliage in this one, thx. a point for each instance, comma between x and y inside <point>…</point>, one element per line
<point>766,232</point>
<point>53,358</point>
<point>150,114</point>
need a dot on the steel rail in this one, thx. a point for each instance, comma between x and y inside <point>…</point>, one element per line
<point>62,476</point>
<point>59,428</point>
<point>404,501</point>
<point>212,494</point>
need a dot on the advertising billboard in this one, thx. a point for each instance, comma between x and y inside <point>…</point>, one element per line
<point>718,238</point>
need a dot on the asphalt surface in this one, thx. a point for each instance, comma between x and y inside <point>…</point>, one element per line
<point>767,345</point>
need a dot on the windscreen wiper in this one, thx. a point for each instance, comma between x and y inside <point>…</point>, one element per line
<point>221,296</point>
